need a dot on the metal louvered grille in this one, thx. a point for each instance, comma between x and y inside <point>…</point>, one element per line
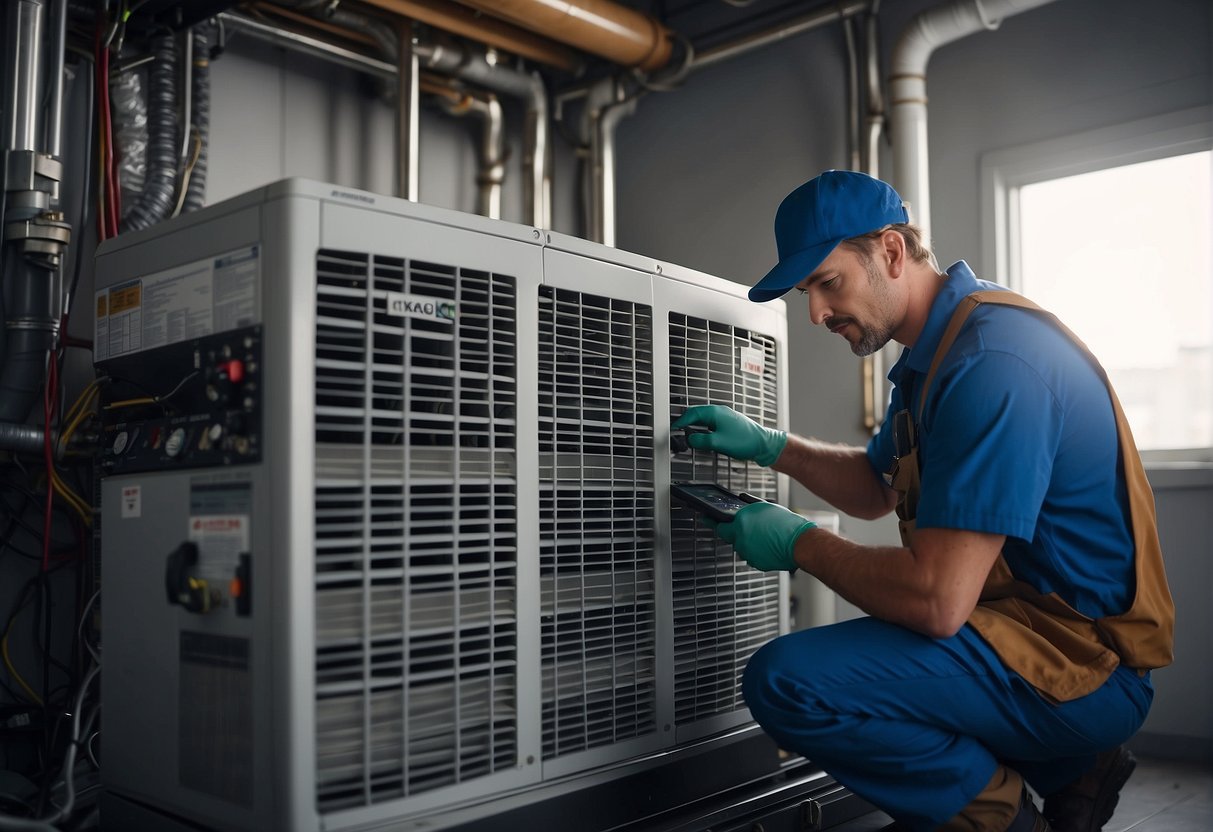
<point>416,525</point>
<point>723,609</point>
<point>596,520</point>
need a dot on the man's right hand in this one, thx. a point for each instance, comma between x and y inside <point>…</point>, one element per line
<point>732,433</point>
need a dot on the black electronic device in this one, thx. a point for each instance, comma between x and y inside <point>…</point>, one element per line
<point>678,438</point>
<point>710,500</point>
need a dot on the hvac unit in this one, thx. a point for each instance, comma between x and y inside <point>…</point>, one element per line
<point>386,536</point>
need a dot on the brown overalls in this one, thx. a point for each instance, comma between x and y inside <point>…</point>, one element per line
<point>1061,652</point>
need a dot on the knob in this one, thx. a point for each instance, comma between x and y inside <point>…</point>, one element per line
<point>175,442</point>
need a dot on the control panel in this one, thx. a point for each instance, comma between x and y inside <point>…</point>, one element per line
<point>191,404</point>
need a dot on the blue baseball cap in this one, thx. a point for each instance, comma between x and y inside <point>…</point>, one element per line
<point>813,219</point>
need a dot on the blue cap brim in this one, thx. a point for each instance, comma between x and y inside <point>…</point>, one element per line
<point>791,270</point>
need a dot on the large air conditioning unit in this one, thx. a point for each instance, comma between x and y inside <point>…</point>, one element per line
<point>386,538</point>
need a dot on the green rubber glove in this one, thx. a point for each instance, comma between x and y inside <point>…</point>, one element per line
<point>765,534</point>
<point>732,433</point>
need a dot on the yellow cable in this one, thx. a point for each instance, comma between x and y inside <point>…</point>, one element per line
<point>79,418</point>
<point>93,387</point>
<point>13,671</point>
<point>131,402</point>
<point>75,501</point>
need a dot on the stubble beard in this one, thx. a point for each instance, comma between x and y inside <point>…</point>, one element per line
<point>875,337</point>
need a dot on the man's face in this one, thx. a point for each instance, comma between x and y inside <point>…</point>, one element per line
<point>851,295</point>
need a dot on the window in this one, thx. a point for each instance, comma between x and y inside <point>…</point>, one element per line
<point>1111,232</point>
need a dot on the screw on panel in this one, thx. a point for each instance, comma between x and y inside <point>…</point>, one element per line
<point>658,268</point>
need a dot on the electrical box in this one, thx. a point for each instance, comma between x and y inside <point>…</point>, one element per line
<point>386,536</point>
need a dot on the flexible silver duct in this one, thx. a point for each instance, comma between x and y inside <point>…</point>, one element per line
<point>155,203</point>
<point>200,116</point>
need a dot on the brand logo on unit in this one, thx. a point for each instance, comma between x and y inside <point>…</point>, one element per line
<point>417,306</point>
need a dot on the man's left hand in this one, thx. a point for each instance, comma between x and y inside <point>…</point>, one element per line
<point>765,534</point>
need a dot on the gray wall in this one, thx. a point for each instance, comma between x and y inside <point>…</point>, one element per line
<point>702,171</point>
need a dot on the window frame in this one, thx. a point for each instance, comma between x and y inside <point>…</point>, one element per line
<point>1005,171</point>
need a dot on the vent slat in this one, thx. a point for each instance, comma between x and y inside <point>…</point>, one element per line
<point>723,609</point>
<point>416,526</point>
<point>596,507</point>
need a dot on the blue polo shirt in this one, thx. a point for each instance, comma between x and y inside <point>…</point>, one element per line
<point>1018,437</point>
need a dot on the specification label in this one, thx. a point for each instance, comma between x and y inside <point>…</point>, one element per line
<point>188,301</point>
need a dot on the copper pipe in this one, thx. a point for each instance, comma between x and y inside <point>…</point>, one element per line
<point>600,27</point>
<point>463,21</point>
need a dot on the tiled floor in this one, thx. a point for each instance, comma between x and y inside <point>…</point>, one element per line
<point>1161,796</point>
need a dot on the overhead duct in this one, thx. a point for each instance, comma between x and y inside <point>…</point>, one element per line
<point>928,31</point>
<point>599,27</point>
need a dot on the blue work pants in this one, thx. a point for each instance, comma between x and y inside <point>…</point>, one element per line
<point>918,725</point>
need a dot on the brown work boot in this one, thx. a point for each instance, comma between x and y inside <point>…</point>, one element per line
<point>1027,819</point>
<point>1088,803</point>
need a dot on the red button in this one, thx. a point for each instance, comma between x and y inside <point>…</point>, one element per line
<point>235,370</point>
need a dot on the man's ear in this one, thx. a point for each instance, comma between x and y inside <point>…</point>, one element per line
<point>893,249</point>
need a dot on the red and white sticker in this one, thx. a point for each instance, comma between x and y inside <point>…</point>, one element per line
<point>752,361</point>
<point>132,501</point>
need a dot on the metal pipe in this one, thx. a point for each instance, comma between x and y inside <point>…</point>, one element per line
<point>875,97</point>
<point>446,60</point>
<point>53,140</point>
<point>24,73</point>
<point>463,21</point>
<point>408,96</point>
<point>748,43</point>
<point>308,45</point>
<point>491,172</point>
<point>492,156</point>
<point>908,87</point>
<point>482,71</point>
<point>874,364</point>
<point>604,111</point>
<point>848,31</point>
<point>600,27</point>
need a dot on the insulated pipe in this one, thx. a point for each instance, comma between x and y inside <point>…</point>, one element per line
<point>931,29</point>
<point>23,439</point>
<point>459,20</point>
<point>155,203</point>
<point>600,27</point>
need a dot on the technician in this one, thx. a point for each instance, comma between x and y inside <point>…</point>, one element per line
<point>1011,635</point>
